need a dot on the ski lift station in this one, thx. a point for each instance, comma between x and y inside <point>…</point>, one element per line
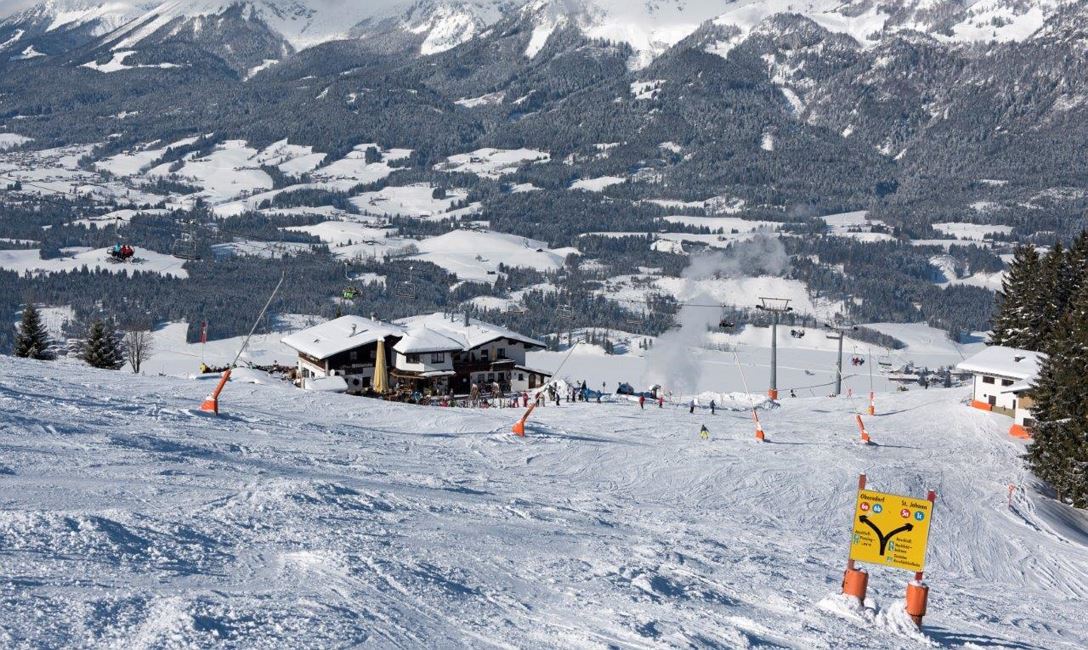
<point>1003,380</point>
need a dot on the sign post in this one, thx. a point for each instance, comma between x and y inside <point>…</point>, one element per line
<point>891,530</point>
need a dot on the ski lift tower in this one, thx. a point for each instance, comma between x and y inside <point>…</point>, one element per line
<point>842,330</point>
<point>776,307</point>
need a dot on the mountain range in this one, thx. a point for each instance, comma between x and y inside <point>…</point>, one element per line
<point>916,110</point>
<point>432,26</point>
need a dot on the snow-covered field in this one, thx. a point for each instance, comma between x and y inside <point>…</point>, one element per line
<point>474,255</point>
<point>147,261</point>
<point>298,519</point>
<point>492,163</point>
<point>972,231</point>
<point>409,201</point>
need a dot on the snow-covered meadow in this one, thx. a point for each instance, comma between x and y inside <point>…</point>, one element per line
<point>299,519</point>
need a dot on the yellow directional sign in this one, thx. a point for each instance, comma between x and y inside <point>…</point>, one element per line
<point>891,530</point>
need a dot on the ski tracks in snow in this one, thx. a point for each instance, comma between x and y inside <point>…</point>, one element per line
<point>305,519</point>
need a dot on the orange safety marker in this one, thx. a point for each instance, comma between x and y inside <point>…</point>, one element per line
<point>918,591</point>
<point>772,393</point>
<point>855,581</point>
<point>1019,431</point>
<point>519,426</point>
<point>872,403</point>
<point>759,427</point>
<point>864,434</point>
<point>211,403</point>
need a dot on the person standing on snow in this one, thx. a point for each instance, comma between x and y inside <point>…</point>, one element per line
<point>691,405</point>
<point>642,402</point>
<point>712,407</point>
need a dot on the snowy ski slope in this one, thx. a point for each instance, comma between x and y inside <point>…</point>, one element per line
<point>299,519</point>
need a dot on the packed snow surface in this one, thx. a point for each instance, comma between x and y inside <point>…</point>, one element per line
<point>306,519</point>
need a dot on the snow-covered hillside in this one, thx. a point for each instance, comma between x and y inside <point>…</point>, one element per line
<point>298,519</point>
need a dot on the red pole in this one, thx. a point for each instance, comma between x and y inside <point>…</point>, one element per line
<point>855,582</point>
<point>918,591</point>
<point>864,433</point>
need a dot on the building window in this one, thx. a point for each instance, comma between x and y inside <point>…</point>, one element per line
<point>483,355</point>
<point>521,376</point>
<point>987,380</point>
<point>1006,382</point>
<point>353,356</point>
<point>438,357</point>
<point>412,358</point>
<point>501,353</point>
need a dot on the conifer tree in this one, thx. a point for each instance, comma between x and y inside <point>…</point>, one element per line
<point>1053,297</point>
<point>1059,452</point>
<point>102,349</point>
<point>31,338</point>
<point>1018,317</point>
<point>1076,266</point>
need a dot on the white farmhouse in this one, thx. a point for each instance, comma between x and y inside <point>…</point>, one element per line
<point>345,347</point>
<point>448,351</point>
<point>1003,379</point>
<point>435,354</point>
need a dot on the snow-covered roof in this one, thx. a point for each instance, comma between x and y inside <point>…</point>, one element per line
<point>1004,362</point>
<point>466,337</point>
<point>422,339</point>
<point>340,335</point>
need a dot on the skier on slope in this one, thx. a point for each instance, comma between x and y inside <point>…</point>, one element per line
<point>712,407</point>
<point>642,402</point>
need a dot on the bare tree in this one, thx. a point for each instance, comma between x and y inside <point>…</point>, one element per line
<point>138,347</point>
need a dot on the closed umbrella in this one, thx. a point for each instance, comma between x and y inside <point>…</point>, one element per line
<point>381,383</point>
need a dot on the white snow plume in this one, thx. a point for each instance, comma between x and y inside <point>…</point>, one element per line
<point>671,361</point>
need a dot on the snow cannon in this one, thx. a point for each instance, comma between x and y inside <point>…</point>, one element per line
<point>519,426</point>
<point>211,402</point>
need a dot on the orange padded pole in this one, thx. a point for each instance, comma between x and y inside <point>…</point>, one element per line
<point>519,426</point>
<point>211,403</point>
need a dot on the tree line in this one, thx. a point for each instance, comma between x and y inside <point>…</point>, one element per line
<point>1043,306</point>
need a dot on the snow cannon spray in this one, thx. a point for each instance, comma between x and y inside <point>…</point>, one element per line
<point>670,361</point>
